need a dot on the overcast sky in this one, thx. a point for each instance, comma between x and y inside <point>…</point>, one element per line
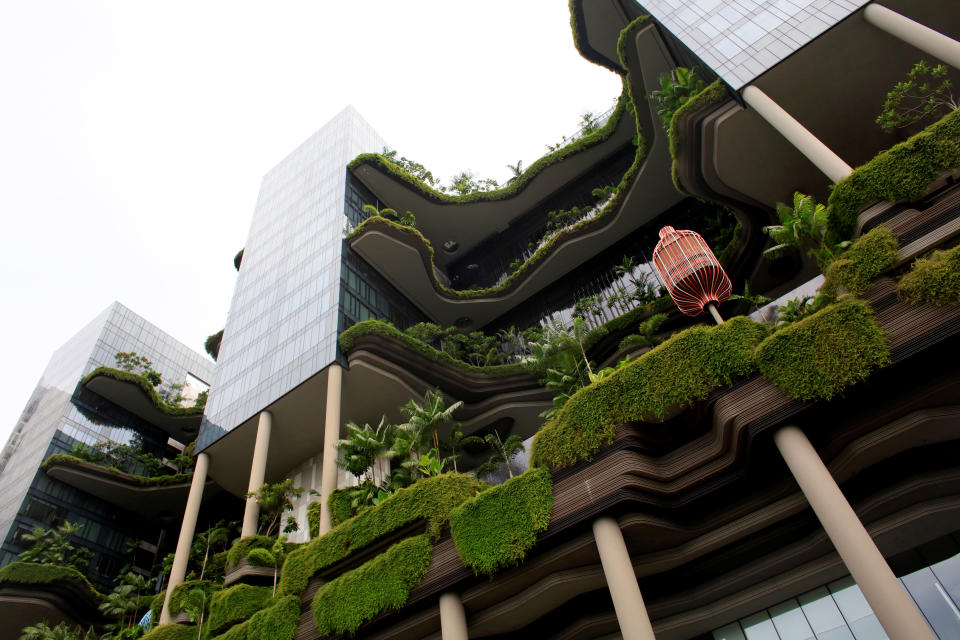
<point>133,136</point>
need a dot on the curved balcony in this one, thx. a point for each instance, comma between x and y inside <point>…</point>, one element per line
<point>31,593</point>
<point>133,393</point>
<point>646,190</point>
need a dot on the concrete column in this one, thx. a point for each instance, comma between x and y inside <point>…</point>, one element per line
<point>622,581</point>
<point>331,433</point>
<point>258,468</point>
<point>187,528</point>
<point>453,619</point>
<point>808,144</point>
<point>889,600</point>
<point>912,32</point>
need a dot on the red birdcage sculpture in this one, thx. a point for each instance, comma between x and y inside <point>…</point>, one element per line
<point>690,271</point>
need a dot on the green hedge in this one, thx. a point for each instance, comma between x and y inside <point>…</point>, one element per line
<point>148,390</point>
<point>241,547</point>
<point>430,499</point>
<point>63,459</point>
<point>715,92</point>
<point>684,369</point>
<point>873,253</point>
<point>349,600</point>
<point>277,622</point>
<point>181,591</point>
<point>819,356</point>
<point>901,173</point>
<point>495,529</point>
<point>260,557</point>
<point>236,604</point>
<point>171,632</point>
<point>32,573</point>
<point>934,280</point>
<point>349,337</point>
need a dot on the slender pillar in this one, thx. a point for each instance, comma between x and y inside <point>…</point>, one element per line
<point>912,32</point>
<point>331,433</point>
<point>453,619</point>
<point>799,136</point>
<point>187,528</point>
<point>889,600</point>
<point>258,468</point>
<point>715,313</point>
<point>622,581</point>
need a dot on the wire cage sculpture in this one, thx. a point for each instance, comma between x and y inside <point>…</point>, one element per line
<point>692,274</point>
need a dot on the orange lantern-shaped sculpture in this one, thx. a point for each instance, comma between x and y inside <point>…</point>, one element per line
<point>690,271</point>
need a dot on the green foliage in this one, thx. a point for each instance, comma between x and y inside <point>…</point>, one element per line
<point>31,573</point>
<point>430,499</point>
<point>241,548</point>
<point>425,419</point>
<point>934,280</point>
<point>123,604</point>
<point>902,173</point>
<point>181,598</point>
<point>340,510</point>
<point>682,370</point>
<point>495,529</point>
<point>212,344</point>
<point>53,547</point>
<point>383,583</point>
<point>274,499</point>
<point>238,260</point>
<point>361,448</point>
<point>925,93</point>
<point>819,356</point>
<point>503,452</point>
<point>754,301</point>
<point>804,226</point>
<point>646,335</point>
<point>715,92</point>
<point>236,604</point>
<point>260,557</point>
<point>870,255</point>
<point>148,389</point>
<point>676,89</point>
<point>140,481</point>
<point>63,631</point>
<point>171,632</point>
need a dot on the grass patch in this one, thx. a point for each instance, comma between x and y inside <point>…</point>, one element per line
<point>147,388</point>
<point>495,529</point>
<point>872,254</point>
<point>901,173</point>
<point>682,370</point>
<point>934,280</point>
<point>430,499</point>
<point>236,604</point>
<point>819,356</point>
<point>346,602</point>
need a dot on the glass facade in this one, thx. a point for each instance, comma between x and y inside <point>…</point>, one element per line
<point>838,611</point>
<point>283,319</point>
<point>52,423</point>
<point>740,39</point>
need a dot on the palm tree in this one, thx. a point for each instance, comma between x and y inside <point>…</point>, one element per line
<point>427,417</point>
<point>804,225</point>
<point>503,452</point>
<point>517,170</point>
<point>362,446</point>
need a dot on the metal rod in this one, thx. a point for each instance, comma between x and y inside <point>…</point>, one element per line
<point>712,308</point>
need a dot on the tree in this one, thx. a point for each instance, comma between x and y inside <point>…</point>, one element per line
<point>925,93</point>
<point>676,88</point>
<point>516,169</point>
<point>361,448</point>
<point>459,441</point>
<point>503,452</point>
<point>52,546</point>
<point>428,417</point>
<point>588,123</point>
<point>274,499</point>
<point>130,361</point>
<point>466,182</point>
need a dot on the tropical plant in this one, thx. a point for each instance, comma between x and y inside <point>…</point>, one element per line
<point>63,631</point>
<point>466,182</point>
<point>361,448</point>
<point>217,536</point>
<point>123,604</point>
<point>753,301</point>
<point>646,335</point>
<point>562,357</point>
<point>676,88</point>
<point>516,169</point>
<point>195,605</point>
<point>804,226</point>
<point>588,123</point>
<point>431,464</point>
<point>427,418</point>
<point>925,93</point>
<point>413,168</point>
<point>53,547</point>
<point>503,452</point>
<point>796,309</point>
<point>274,499</point>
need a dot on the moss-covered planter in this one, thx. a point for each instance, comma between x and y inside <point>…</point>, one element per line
<point>383,583</point>
<point>495,529</point>
<point>35,574</point>
<point>682,370</point>
<point>65,460</point>
<point>899,174</point>
<point>714,93</point>
<point>236,604</point>
<point>171,632</point>
<point>277,622</point>
<point>872,254</point>
<point>819,356</point>
<point>181,591</point>
<point>243,547</point>
<point>147,388</point>
<point>934,280</point>
<point>430,499</point>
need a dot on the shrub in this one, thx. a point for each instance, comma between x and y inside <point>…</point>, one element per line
<point>171,632</point>
<point>181,592</point>
<point>495,529</point>
<point>822,354</point>
<point>934,280</point>
<point>146,387</point>
<point>346,602</point>
<point>430,499</point>
<point>260,557</point>
<point>31,573</point>
<point>682,370</point>
<point>236,604</point>
<point>242,548</point>
<point>872,254</point>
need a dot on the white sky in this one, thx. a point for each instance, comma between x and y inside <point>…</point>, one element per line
<point>134,134</point>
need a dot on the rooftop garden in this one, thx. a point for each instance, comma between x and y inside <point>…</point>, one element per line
<point>138,370</point>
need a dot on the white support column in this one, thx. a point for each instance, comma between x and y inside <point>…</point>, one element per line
<point>912,32</point>
<point>453,619</point>
<point>187,528</point>
<point>889,600</point>
<point>622,581</point>
<point>258,468</point>
<point>799,136</point>
<point>331,433</point>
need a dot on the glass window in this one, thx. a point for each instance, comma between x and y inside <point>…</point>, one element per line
<point>759,627</point>
<point>824,616</point>
<point>941,613</point>
<point>790,621</point>
<point>860,618</point>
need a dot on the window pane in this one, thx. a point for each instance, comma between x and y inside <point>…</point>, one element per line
<point>759,627</point>
<point>790,622</point>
